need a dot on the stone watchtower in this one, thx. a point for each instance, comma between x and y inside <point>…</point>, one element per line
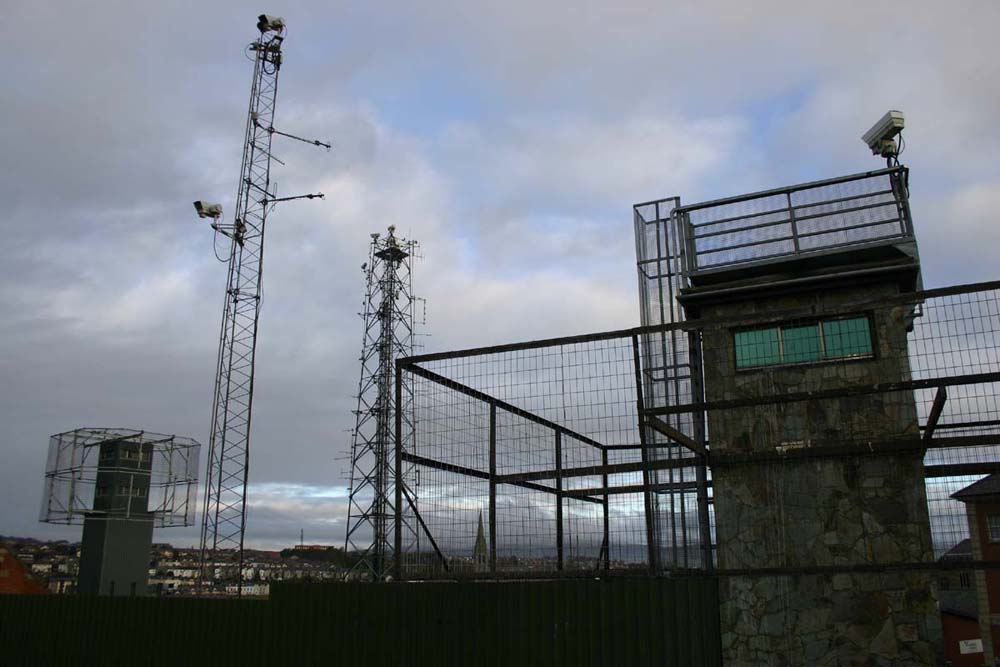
<point>795,274</point>
<point>118,532</point>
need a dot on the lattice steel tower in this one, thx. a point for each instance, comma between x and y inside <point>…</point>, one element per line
<point>224,516</point>
<point>389,309</point>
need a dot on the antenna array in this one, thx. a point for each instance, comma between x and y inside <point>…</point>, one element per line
<point>389,309</point>
<point>224,510</point>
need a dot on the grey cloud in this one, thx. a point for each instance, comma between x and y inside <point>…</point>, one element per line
<point>120,115</point>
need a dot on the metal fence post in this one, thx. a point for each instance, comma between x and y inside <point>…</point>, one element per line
<point>604,503</point>
<point>900,193</point>
<point>791,219</point>
<point>493,488</point>
<point>559,503</point>
<point>397,560</point>
<point>685,230</point>
<point>651,545</point>
<point>698,431</point>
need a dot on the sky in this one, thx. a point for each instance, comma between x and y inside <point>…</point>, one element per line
<point>510,139</point>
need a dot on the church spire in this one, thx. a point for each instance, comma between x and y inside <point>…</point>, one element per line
<point>480,553</point>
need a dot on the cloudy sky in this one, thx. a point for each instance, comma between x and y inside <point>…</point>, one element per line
<point>510,139</point>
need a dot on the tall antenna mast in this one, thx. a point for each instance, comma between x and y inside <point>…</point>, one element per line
<point>388,334</point>
<point>224,514</point>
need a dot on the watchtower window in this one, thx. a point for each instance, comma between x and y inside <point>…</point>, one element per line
<point>847,338</point>
<point>799,343</point>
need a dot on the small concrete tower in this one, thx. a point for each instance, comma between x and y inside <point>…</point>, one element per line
<point>118,533</point>
<point>139,480</point>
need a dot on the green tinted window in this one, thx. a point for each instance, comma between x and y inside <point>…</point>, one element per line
<point>757,348</point>
<point>801,344</point>
<point>804,343</point>
<point>847,338</point>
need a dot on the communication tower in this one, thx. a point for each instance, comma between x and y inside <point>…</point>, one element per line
<point>389,309</point>
<point>224,515</point>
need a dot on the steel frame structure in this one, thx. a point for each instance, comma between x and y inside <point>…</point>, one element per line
<point>955,356</point>
<point>224,510</point>
<point>72,469</point>
<point>678,246</point>
<point>376,485</point>
<point>671,363</point>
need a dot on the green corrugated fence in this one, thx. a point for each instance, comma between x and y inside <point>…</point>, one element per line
<point>572,622</point>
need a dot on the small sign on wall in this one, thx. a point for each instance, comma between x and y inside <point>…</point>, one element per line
<point>966,646</point>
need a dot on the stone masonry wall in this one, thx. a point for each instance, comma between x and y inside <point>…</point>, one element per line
<point>820,512</point>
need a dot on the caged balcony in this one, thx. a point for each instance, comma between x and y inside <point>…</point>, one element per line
<point>858,223</point>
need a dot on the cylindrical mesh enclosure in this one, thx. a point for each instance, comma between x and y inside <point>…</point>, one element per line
<point>168,465</point>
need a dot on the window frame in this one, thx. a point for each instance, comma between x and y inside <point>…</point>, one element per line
<point>989,529</point>
<point>818,322</point>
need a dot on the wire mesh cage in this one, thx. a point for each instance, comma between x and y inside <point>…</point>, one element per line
<point>505,440</point>
<point>539,445</point>
<point>127,473</point>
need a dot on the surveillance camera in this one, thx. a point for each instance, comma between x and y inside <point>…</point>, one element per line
<point>207,210</point>
<point>267,23</point>
<point>881,138</point>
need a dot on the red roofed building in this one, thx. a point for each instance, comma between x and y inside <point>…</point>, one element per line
<point>982,506</point>
<point>14,577</point>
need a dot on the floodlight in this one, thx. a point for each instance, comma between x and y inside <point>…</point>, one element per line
<point>267,23</point>
<point>881,138</point>
<point>207,210</point>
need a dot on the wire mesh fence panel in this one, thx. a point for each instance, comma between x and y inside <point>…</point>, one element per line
<point>525,517</point>
<point>659,261</point>
<point>551,429</point>
<point>526,531</point>
<point>450,506</point>
<point>957,335</point>
<point>628,548</point>
<point>670,377</point>
<point>583,535</point>
<point>442,506</point>
<point>536,424</point>
<point>948,519</point>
